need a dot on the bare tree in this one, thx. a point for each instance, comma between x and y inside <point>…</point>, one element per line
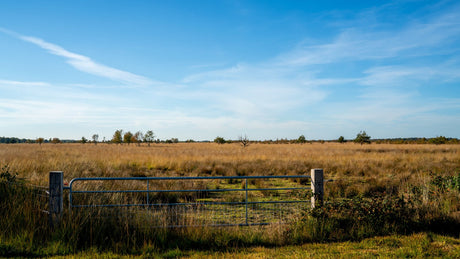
<point>244,140</point>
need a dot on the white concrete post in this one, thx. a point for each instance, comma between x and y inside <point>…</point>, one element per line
<point>317,180</point>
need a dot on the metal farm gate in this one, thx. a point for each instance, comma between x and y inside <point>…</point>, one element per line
<point>194,201</point>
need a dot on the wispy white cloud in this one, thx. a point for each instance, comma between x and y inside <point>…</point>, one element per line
<point>418,38</point>
<point>299,80</point>
<point>258,90</point>
<point>8,83</point>
<point>85,64</point>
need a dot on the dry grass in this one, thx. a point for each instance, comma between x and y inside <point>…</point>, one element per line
<point>356,169</point>
<point>368,171</point>
<point>351,161</point>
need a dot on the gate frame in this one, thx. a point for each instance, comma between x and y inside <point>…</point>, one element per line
<point>57,186</point>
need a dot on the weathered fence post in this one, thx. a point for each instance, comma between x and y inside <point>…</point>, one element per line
<point>56,197</point>
<point>317,180</point>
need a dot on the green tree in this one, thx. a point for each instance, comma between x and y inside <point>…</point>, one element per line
<point>172,140</point>
<point>341,139</point>
<point>55,141</point>
<point>219,140</point>
<point>301,139</point>
<point>138,137</point>
<point>95,138</point>
<point>438,140</point>
<point>40,141</point>
<point>83,140</point>
<point>362,138</point>
<point>117,136</point>
<point>128,137</point>
<point>149,137</point>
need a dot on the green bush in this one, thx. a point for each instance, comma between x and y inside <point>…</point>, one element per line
<point>438,140</point>
<point>219,140</point>
<point>362,138</point>
<point>359,218</point>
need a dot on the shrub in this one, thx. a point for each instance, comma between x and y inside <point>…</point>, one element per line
<point>301,139</point>
<point>219,140</point>
<point>362,138</point>
<point>438,140</point>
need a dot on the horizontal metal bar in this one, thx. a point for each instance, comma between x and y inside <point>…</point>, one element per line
<point>185,204</point>
<point>186,178</point>
<point>195,190</point>
<point>218,225</point>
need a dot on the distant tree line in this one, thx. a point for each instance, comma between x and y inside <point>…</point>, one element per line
<point>13,140</point>
<point>437,140</point>
<point>120,137</point>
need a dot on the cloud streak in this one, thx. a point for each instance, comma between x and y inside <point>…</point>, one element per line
<point>85,64</point>
<point>8,83</point>
<point>420,38</point>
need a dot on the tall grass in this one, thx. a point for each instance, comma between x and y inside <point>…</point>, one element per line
<point>377,190</point>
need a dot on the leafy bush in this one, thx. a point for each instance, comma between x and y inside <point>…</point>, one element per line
<point>6,175</point>
<point>219,140</point>
<point>362,138</point>
<point>446,182</point>
<point>358,218</point>
<point>438,140</point>
<point>301,139</point>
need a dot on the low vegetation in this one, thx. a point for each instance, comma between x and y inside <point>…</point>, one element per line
<point>377,190</point>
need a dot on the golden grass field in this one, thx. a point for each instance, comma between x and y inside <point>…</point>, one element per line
<point>354,168</point>
<point>426,176</point>
<point>379,162</point>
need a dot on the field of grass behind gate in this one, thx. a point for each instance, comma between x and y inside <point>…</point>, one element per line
<point>378,190</point>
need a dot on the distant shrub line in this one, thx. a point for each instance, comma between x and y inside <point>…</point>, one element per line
<point>139,137</point>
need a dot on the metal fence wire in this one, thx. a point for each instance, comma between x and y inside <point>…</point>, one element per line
<point>197,201</point>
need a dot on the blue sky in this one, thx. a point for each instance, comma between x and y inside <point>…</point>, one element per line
<point>201,69</point>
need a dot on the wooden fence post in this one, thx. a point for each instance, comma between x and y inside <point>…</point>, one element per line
<point>317,180</point>
<point>56,197</point>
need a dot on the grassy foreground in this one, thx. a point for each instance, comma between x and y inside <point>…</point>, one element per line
<point>421,245</point>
